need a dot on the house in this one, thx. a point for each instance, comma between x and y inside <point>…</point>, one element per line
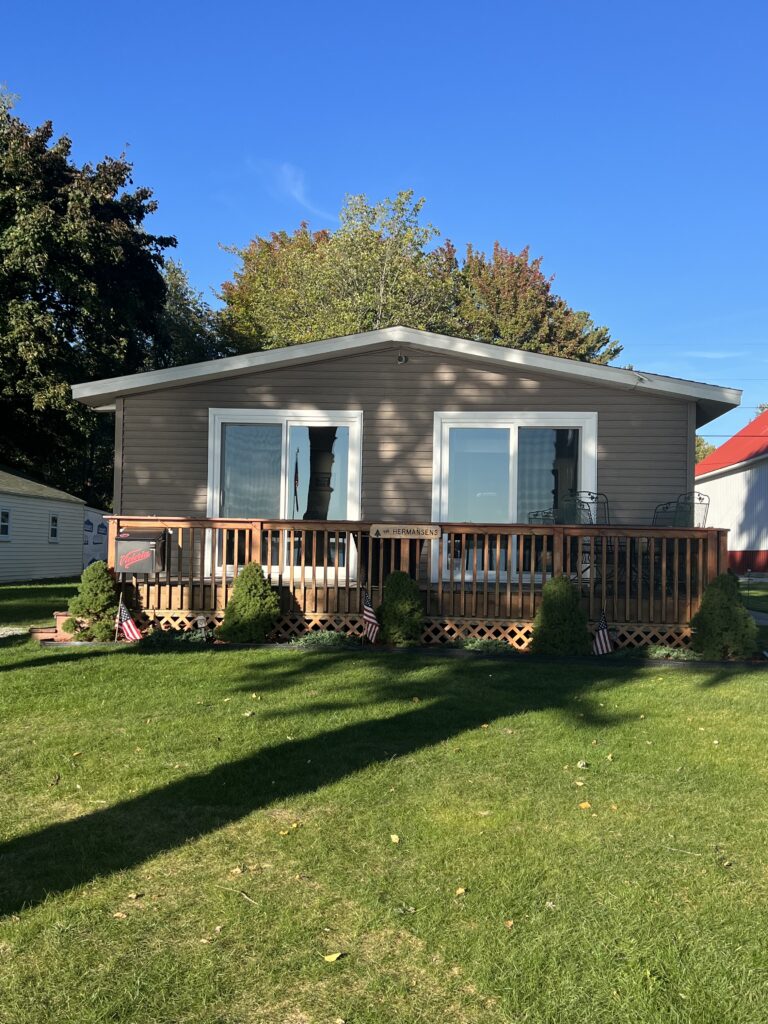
<point>42,530</point>
<point>291,455</point>
<point>735,478</point>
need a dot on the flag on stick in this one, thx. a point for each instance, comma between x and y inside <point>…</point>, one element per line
<point>125,624</point>
<point>602,643</point>
<point>370,622</point>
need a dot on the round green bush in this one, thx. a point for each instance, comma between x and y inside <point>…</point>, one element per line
<point>93,609</point>
<point>560,626</point>
<point>401,614</point>
<point>253,608</point>
<point>722,627</point>
<point>488,645</point>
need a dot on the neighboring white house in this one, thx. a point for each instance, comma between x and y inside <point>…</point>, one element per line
<point>42,530</point>
<point>735,477</point>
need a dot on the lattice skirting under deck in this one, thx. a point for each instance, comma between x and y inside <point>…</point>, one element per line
<point>436,631</point>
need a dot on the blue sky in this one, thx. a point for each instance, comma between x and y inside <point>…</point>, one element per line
<point>625,143</point>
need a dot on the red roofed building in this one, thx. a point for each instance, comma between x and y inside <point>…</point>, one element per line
<point>735,477</point>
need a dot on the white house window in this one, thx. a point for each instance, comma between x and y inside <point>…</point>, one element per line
<point>53,529</point>
<point>5,524</point>
<point>500,467</point>
<point>284,464</point>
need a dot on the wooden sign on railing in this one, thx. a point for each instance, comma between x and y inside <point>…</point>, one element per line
<point>405,531</point>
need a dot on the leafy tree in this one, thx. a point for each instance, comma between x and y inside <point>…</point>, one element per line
<point>374,271</point>
<point>81,297</point>
<point>703,448</point>
<point>190,330</point>
<point>383,267</point>
<point>508,300</point>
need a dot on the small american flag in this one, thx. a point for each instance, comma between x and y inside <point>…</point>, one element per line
<point>602,643</point>
<point>125,623</point>
<point>370,621</point>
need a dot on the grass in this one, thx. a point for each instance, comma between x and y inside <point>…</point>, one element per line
<point>185,836</point>
<point>33,603</point>
<point>755,595</point>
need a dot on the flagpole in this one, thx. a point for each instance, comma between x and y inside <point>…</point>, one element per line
<point>117,617</point>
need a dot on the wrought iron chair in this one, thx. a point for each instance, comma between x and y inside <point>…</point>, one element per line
<point>688,510</point>
<point>598,506</point>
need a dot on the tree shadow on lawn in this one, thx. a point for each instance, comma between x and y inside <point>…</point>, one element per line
<point>454,697</point>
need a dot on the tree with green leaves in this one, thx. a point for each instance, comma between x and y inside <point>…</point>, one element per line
<point>703,448</point>
<point>81,297</point>
<point>374,271</point>
<point>190,329</point>
<point>384,267</point>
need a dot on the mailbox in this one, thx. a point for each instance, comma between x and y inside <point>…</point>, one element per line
<point>140,551</point>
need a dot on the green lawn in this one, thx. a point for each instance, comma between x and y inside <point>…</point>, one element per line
<point>755,595</point>
<point>186,836</point>
<point>33,604</point>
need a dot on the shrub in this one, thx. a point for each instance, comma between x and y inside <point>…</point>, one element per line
<point>326,639</point>
<point>253,608</point>
<point>488,645</point>
<point>168,639</point>
<point>401,615</point>
<point>560,626</point>
<point>93,609</point>
<point>722,627</point>
<point>670,653</point>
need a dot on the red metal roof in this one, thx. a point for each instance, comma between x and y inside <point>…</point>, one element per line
<point>750,442</point>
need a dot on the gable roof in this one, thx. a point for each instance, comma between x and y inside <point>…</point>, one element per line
<point>710,399</point>
<point>749,444</point>
<point>15,483</point>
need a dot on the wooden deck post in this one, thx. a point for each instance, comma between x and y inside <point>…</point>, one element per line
<point>111,538</point>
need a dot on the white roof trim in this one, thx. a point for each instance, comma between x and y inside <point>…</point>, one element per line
<point>733,468</point>
<point>102,393</point>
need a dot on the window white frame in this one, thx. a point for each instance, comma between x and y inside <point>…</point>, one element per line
<point>53,527</point>
<point>7,513</point>
<point>287,418</point>
<point>584,422</point>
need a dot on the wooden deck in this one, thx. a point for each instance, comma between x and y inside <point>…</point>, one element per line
<point>475,581</point>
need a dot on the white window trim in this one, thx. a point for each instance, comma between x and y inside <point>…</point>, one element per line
<point>287,418</point>
<point>51,517</point>
<point>584,422</point>
<point>7,537</point>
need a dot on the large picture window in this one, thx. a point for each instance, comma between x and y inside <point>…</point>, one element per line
<point>287,464</point>
<point>501,467</point>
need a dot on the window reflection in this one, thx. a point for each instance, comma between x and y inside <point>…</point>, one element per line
<point>547,469</point>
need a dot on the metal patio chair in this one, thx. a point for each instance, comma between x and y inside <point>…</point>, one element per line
<point>687,510</point>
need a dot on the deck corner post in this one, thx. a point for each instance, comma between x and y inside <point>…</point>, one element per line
<point>111,540</point>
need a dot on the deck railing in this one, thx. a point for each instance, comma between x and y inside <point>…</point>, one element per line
<point>638,574</point>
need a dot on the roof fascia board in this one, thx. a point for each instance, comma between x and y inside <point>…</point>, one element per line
<point>108,389</point>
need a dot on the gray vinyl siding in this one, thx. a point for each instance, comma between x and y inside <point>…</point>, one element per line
<point>28,555</point>
<point>644,441</point>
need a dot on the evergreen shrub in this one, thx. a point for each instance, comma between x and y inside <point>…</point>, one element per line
<point>253,608</point>
<point>560,626</point>
<point>722,627</point>
<point>93,609</point>
<point>401,615</point>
